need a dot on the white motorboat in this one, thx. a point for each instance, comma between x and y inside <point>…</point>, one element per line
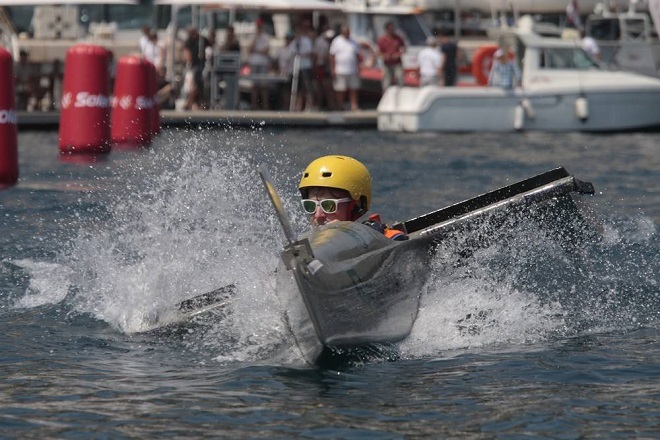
<point>562,89</point>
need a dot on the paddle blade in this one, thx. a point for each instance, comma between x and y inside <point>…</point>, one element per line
<point>277,204</point>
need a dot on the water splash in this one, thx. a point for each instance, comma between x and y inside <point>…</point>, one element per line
<point>526,288</point>
<point>186,221</point>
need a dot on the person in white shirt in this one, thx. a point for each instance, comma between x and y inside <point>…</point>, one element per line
<point>590,46</point>
<point>431,62</point>
<point>344,67</point>
<point>259,61</point>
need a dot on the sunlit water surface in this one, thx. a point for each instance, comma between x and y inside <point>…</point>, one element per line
<point>92,251</point>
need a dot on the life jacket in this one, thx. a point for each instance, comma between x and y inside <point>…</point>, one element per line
<point>393,234</point>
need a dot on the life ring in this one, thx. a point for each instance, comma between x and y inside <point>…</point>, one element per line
<point>481,63</point>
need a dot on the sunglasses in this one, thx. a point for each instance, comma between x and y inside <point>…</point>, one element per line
<point>329,206</point>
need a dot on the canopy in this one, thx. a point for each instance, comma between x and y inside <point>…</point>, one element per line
<point>267,5</point>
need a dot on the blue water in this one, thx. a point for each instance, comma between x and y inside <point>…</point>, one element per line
<point>91,251</point>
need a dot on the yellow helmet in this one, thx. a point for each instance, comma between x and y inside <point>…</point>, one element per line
<point>341,172</point>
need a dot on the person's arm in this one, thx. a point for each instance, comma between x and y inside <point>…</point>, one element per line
<point>491,74</point>
<point>331,61</point>
<point>441,69</point>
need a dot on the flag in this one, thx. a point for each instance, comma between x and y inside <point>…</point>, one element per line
<point>573,14</point>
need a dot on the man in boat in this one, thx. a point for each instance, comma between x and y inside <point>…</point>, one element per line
<point>504,72</point>
<point>338,188</point>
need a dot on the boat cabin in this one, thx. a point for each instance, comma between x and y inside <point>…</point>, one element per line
<point>627,41</point>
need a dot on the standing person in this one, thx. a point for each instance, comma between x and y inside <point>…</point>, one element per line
<point>344,67</point>
<point>231,43</point>
<point>325,95</point>
<point>504,72</point>
<point>259,61</point>
<point>285,66</point>
<point>449,49</point>
<point>302,48</point>
<point>194,49</point>
<point>590,45</point>
<point>431,63</point>
<point>144,37</point>
<point>391,47</point>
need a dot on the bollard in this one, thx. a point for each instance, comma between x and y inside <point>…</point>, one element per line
<point>132,103</point>
<point>8,132</point>
<point>85,112</point>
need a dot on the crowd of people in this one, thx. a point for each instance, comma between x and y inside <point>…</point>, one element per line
<point>315,69</point>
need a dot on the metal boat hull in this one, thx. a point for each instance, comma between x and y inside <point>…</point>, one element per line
<point>345,286</point>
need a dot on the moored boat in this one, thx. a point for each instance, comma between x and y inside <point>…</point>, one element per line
<point>562,89</point>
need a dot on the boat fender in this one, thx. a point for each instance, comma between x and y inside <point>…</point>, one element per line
<point>582,108</point>
<point>518,117</point>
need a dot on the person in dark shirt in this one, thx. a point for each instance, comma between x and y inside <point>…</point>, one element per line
<point>231,43</point>
<point>450,50</point>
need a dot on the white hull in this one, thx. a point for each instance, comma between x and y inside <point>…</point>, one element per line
<point>432,108</point>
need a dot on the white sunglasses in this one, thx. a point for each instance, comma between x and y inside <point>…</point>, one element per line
<point>329,206</point>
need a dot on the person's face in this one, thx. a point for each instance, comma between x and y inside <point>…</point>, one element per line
<point>343,212</point>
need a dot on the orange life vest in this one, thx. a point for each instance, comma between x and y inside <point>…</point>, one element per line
<point>393,234</point>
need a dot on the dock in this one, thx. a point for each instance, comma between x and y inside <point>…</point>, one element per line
<point>224,118</point>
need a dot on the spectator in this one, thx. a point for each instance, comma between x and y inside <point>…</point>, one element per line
<point>391,47</point>
<point>449,49</point>
<point>28,88</point>
<point>194,49</point>
<point>285,67</point>
<point>144,38</point>
<point>590,46</point>
<point>504,71</point>
<point>301,46</point>
<point>231,43</point>
<point>154,52</point>
<point>259,61</point>
<point>325,95</point>
<point>431,63</point>
<point>344,66</point>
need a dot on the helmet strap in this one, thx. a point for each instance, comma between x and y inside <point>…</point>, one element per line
<point>356,210</point>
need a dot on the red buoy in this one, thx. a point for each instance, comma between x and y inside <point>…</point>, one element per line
<point>8,132</point>
<point>85,112</point>
<point>132,103</point>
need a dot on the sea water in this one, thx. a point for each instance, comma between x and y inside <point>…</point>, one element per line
<point>521,339</point>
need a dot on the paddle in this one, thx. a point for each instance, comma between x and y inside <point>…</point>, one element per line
<point>277,204</point>
<point>205,300</point>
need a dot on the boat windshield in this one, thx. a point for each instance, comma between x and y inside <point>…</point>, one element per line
<point>566,58</point>
<point>371,26</point>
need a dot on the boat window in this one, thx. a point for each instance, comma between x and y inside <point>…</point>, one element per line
<point>635,29</point>
<point>604,29</point>
<point>411,28</point>
<point>566,58</point>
